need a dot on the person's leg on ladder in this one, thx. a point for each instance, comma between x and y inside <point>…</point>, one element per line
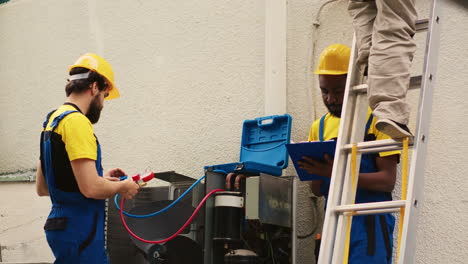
<point>390,60</point>
<point>363,13</point>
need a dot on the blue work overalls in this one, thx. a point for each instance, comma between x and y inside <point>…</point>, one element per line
<point>75,225</point>
<point>371,235</point>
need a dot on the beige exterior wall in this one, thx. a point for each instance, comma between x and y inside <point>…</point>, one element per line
<point>189,73</point>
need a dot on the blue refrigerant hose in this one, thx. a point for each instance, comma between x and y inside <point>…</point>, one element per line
<point>167,207</point>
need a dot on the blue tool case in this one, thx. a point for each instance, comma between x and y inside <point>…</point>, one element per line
<point>263,147</point>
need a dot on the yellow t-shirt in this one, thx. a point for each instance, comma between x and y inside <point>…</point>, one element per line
<point>332,125</point>
<point>77,134</point>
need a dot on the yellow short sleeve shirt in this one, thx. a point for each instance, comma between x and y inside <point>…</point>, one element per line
<point>77,134</point>
<point>332,125</point>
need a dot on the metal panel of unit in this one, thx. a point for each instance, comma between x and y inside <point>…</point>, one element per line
<point>269,199</point>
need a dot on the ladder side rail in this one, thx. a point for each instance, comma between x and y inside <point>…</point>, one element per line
<point>339,169</point>
<point>417,166</point>
<point>341,173</point>
<point>331,218</point>
<point>357,131</point>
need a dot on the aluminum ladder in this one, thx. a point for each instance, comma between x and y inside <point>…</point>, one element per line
<point>340,205</point>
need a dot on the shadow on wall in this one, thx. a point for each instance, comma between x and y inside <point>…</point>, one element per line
<point>462,3</point>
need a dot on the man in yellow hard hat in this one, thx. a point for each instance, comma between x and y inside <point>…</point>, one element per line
<point>384,33</point>
<point>371,236</point>
<point>70,170</point>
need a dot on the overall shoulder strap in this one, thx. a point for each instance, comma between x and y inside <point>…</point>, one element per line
<point>321,127</point>
<point>368,124</point>
<point>58,118</point>
<point>44,125</point>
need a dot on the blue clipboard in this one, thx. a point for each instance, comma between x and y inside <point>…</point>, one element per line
<point>316,150</point>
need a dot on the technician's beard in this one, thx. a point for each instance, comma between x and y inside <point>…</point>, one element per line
<point>94,111</point>
<point>335,110</point>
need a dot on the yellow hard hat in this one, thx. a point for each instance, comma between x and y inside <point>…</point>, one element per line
<point>334,60</point>
<point>98,64</point>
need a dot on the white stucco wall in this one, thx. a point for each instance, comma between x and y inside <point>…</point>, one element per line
<point>190,73</point>
<point>181,68</point>
<point>442,233</point>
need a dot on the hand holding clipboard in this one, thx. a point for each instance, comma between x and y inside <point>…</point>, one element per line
<point>315,157</point>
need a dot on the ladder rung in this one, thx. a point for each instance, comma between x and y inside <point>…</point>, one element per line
<point>361,207</point>
<point>422,25</point>
<point>361,88</point>
<point>377,146</point>
<point>376,211</point>
<point>415,83</point>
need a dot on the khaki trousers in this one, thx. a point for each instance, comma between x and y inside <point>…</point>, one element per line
<point>384,32</point>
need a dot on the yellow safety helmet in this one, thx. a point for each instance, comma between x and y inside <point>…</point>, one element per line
<point>334,60</point>
<point>98,64</point>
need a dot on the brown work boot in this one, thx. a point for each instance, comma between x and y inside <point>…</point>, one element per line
<point>394,129</point>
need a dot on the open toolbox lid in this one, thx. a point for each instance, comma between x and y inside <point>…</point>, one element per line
<point>263,147</point>
<point>264,140</point>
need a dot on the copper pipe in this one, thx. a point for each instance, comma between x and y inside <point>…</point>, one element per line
<point>228,180</point>
<point>237,181</point>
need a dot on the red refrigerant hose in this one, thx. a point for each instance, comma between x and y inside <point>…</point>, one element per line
<point>176,233</point>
